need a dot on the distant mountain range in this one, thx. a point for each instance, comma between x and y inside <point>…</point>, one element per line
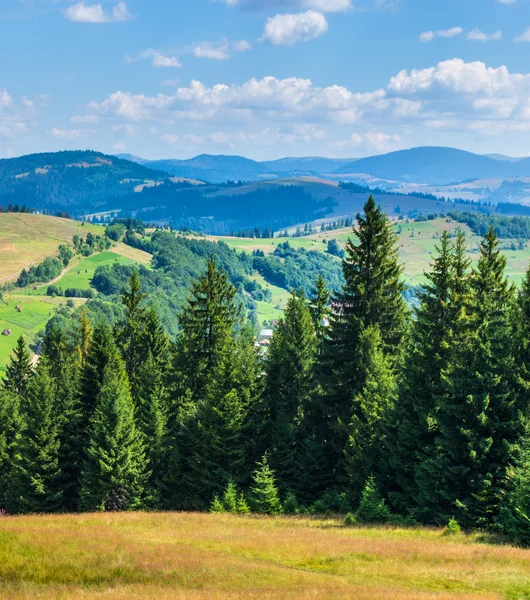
<point>425,165</point>
<point>230,193</point>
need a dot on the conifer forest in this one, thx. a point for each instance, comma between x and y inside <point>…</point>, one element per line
<point>361,406</point>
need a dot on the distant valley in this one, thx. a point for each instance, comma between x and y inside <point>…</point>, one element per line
<point>229,194</point>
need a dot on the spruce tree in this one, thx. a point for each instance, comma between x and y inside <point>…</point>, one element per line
<point>11,425</point>
<point>514,514</point>
<point>36,475</point>
<point>64,370</point>
<point>290,387</point>
<point>320,309</point>
<point>371,297</point>
<point>371,408</point>
<point>475,417</point>
<point>264,493</point>
<point>115,468</point>
<point>101,350</point>
<point>19,369</point>
<point>412,424</point>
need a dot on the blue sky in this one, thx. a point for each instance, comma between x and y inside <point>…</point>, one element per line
<point>264,78</point>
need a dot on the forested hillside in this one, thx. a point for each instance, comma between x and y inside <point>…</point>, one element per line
<point>393,418</point>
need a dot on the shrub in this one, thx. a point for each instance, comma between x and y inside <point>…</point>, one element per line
<point>332,502</point>
<point>350,520</point>
<point>372,508</point>
<point>452,528</point>
<point>290,504</point>
<point>264,493</point>
<point>230,498</point>
<point>217,506</point>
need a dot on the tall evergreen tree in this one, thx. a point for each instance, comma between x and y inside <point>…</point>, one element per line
<point>475,415</point>
<point>18,370</point>
<point>370,410</point>
<point>115,469</point>
<point>290,387</point>
<point>412,424</point>
<point>101,350</point>
<point>36,475</point>
<point>371,297</point>
<point>64,370</point>
<point>320,309</point>
<point>11,425</point>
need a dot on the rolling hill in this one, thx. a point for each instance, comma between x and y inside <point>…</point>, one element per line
<point>436,166</point>
<point>76,181</point>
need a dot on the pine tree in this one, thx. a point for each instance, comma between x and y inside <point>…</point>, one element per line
<point>290,386</point>
<point>514,514</point>
<point>11,425</point>
<point>371,297</point>
<point>114,472</point>
<point>412,424</point>
<point>320,309</point>
<point>475,417</point>
<point>36,475</point>
<point>212,410</point>
<point>370,410</point>
<point>264,493</point>
<point>18,370</point>
<point>101,350</point>
<point>130,332</point>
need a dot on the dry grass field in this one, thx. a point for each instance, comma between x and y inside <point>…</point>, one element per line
<point>222,557</point>
<point>27,239</point>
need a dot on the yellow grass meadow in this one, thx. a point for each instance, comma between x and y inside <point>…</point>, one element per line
<point>220,557</point>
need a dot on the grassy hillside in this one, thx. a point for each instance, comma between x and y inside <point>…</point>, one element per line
<point>26,239</point>
<point>417,242</point>
<point>221,557</point>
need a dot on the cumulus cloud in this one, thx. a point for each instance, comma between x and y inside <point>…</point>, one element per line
<point>18,116</point>
<point>452,95</point>
<point>95,13</point>
<point>476,35</point>
<point>524,37</point>
<point>329,6</point>
<point>158,59</point>
<point>369,142</point>
<point>428,36</point>
<point>68,134</point>
<point>221,50</point>
<point>288,29</point>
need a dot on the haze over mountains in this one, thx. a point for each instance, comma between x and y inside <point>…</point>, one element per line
<point>425,165</point>
<point>228,193</point>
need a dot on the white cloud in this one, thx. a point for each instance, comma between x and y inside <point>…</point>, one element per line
<point>476,35</point>
<point>119,146</point>
<point>288,29</point>
<point>95,13</point>
<point>369,142</point>
<point>170,82</point>
<point>84,119</point>
<point>428,36</point>
<point>329,6</point>
<point>221,50</point>
<point>68,134</point>
<point>5,99</point>
<point>157,58</point>
<point>524,37</point>
<point>453,95</point>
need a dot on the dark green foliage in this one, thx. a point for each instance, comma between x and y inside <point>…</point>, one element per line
<point>514,517</point>
<point>290,388</point>
<point>48,269</point>
<point>320,309</point>
<point>371,299</point>
<point>264,493</point>
<point>115,469</point>
<point>372,508</point>
<point>11,424</point>
<point>36,476</point>
<point>18,370</point>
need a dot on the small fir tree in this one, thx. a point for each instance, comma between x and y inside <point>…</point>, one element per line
<point>264,493</point>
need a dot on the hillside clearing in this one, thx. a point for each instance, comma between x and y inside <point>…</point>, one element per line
<point>26,239</point>
<point>205,557</point>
